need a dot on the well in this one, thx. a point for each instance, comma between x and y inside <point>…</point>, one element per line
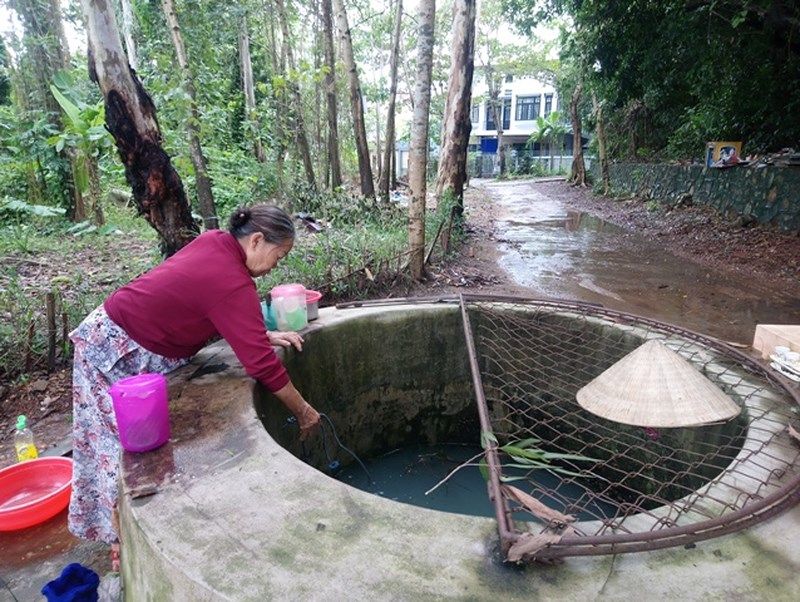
<point>237,515</point>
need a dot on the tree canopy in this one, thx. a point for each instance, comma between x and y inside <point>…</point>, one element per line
<point>676,73</point>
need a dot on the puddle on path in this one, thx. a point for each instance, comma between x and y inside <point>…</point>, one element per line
<point>569,255</point>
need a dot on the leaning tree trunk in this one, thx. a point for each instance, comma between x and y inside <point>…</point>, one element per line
<point>578,175</point>
<point>418,154</point>
<point>356,104</point>
<point>457,119</point>
<point>334,161</point>
<point>205,197</point>
<point>387,174</point>
<point>131,119</point>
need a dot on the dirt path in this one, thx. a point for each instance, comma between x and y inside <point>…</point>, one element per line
<point>698,234</point>
<point>552,244</point>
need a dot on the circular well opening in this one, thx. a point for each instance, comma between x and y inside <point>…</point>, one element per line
<point>395,386</point>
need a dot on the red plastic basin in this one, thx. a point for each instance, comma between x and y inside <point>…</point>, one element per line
<point>33,491</point>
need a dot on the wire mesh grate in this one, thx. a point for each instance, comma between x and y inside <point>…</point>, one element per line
<point>644,488</point>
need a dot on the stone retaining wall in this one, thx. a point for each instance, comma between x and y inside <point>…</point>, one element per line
<point>768,194</point>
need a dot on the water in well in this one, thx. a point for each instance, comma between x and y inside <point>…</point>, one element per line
<point>407,475</point>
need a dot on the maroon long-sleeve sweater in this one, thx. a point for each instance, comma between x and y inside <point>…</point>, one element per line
<point>201,291</point>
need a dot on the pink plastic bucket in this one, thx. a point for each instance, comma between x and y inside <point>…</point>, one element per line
<point>142,411</point>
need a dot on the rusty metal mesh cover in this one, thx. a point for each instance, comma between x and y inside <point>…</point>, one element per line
<point>646,488</point>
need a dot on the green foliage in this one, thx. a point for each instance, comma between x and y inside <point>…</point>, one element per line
<point>20,222</point>
<point>238,179</point>
<point>358,250</point>
<point>520,459</point>
<point>525,455</point>
<point>84,131</point>
<point>674,75</point>
<point>21,210</point>
<point>29,168</point>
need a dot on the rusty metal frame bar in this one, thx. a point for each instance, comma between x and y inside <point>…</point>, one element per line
<point>579,545</point>
<point>585,545</point>
<point>508,533</point>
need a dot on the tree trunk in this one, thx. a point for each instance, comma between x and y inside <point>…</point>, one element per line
<point>321,163</point>
<point>47,52</point>
<point>418,155</point>
<point>457,117</point>
<point>131,119</point>
<point>498,122</point>
<point>330,97</point>
<point>280,105</point>
<point>387,174</point>
<point>356,105</point>
<point>95,192</point>
<point>600,130</point>
<point>205,197</point>
<point>127,33</point>
<point>378,167</point>
<point>496,106</point>
<point>249,89</point>
<point>578,172</point>
<point>299,122</point>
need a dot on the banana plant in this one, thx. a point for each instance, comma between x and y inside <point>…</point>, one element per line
<point>550,130</point>
<point>85,138</point>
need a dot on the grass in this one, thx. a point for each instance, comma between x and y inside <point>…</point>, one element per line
<point>78,269</point>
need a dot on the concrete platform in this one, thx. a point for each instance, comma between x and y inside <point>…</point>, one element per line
<point>223,512</point>
<point>769,336</point>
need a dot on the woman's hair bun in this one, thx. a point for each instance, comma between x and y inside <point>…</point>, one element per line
<point>240,217</point>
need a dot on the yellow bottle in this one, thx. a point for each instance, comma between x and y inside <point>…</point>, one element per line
<point>23,441</point>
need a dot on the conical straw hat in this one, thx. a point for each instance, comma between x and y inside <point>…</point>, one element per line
<point>654,386</point>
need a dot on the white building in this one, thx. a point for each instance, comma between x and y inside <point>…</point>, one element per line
<point>524,99</point>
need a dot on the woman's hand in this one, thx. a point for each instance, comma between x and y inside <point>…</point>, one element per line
<point>285,339</point>
<point>308,419</point>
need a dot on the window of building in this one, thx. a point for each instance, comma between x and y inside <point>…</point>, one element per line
<point>548,104</point>
<point>476,113</point>
<point>528,107</point>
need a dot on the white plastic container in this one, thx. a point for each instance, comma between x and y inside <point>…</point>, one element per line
<point>289,306</point>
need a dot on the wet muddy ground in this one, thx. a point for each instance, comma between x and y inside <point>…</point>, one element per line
<point>551,242</point>
<point>570,254</point>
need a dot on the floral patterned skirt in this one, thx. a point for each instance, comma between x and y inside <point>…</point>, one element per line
<point>104,354</point>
